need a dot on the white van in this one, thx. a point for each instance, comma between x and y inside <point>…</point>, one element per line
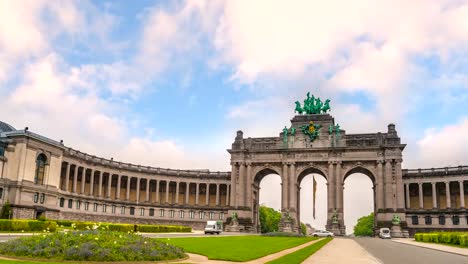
<point>384,232</point>
<point>214,227</point>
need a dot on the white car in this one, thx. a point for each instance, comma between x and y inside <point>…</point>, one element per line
<point>322,233</point>
<point>384,232</point>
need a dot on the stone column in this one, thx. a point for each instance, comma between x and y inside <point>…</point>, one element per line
<point>101,175</point>
<point>197,193</point>
<point>127,195</point>
<point>234,173</point>
<point>147,190</point>
<point>434,195</point>
<point>217,192</point>
<point>228,194</point>
<point>83,180</point>
<point>421,199</point>
<point>75,179</point>
<point>462,194</point>
<point>207,194</point>
<point>67,177</point>
<point>241,189</point>
<point>330,188</point>
<point>249,181</point>
<point>187,192</point>
<point>284,188</point>
<point>447,193</point>
<point>388,185</point>
<point>109,185</point>
<point>292,187</point>
<point>167,191</point>
<point>339,188</point>
<point>400,200</point>
<point>138,189</point>
<point>91,183</point>
<point>380,186</point>
<point>408,204</point>
<point>157,191</point>
<point>119,179</point>
<point>177,193</point>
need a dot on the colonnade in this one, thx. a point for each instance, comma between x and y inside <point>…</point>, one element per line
<point>97,183</point>
<point>443,194</point>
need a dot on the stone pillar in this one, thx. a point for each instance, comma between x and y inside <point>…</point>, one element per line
<point>119,178</point>
<point>380,186</point>
<point>217,191</point>
<point>434,195</point>
<point>67,177</point>
<point>234,173</point>
<point>421,199</point>
<point>157,191</point>
<point>177,193</point>
<point>91,183</point>
<point>138,190</point>
<point>339,188</point>
<point>284,188</point>
<point>75,179</point>
<point>228,194</point>
<point>207,194</point>
<point>400,200</point>
<point>197,191</point>
<point>408,204</point>
<point>291,176</point>
<point>447,193</point>
<point>147,199</point>
<point>388,185</point>
<point>101,176</point>
<point>187,192</point>
<point>462,194</point>
<point>167,191</point>
<point>127,195</point>
<point>330,189</point>
<point>249,182</point>
<point>241,189</point>
<point>109,185</point>
<point>83,180</point>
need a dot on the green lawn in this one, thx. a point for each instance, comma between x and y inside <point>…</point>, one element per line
<point>237,248</point>
<point>302,254</point>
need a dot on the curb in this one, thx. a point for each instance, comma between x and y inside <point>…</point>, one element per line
<point>441,250</point>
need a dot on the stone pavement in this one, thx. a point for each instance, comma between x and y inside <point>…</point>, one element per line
<point>342,250</point>
<point>440,247</point>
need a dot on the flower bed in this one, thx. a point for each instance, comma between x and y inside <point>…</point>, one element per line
<point>92,245</point>
<point>451,238</point>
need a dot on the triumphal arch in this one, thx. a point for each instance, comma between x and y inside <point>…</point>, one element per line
<point>315,143</point>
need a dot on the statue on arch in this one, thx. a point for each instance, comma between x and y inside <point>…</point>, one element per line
<point>335,217</point>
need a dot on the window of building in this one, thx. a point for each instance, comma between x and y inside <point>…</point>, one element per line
<point>171,213</point>
<point>70,203</point>
<point>62,202</point>
<point>86,206</point>
<point>36,197</point>
<point>42,198</point>
<point>78,205</point>
<point>40,169</point>
<point>201,215</point>
<point>414,220</point>
<point>132,210</point>
<point>95,206</point>
<point>428,220</point>
<point>2,151</point>
<point>151,212</point>
<point>161,212</point>
<point>211,215</point>
<point>192,214</point>
<point>142,211</point>
<point>456,220</point>
<point>442,219</point>
<point>122,210</point>
<point>113,209</point>
<point>181,214</point>
<point>1,193</point>
<point>221,215</point>
<point>104,208</point>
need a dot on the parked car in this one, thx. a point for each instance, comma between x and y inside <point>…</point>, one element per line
<point>384,232</point>
<point>322,233</point>
<point>214,227</point>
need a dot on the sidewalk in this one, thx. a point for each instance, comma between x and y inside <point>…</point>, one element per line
<point>342,250</point>
<point>440,247</point>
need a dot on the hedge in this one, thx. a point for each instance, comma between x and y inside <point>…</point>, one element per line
<point>451,238</point>
<point>131,227</point>
<point>27,225</point>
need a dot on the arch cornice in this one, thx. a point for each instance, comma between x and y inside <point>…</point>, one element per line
<point>365,168</point>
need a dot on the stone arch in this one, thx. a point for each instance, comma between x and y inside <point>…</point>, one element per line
<point>360,169</point>
<point>310,170</point>
<point>260,173</point>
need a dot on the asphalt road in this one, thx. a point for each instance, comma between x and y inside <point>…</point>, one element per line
<point>390,252</point>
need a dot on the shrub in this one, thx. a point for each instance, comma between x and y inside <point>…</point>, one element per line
<point>6,211</point>
<point>451,238</point>
<point>66,223</point>
<point>283,234</point>
<point>27,225</point>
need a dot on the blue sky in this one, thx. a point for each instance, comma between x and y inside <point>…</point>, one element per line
<point>168,83</point>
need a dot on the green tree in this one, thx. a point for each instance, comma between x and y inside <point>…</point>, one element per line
<point>269,219</point>
<point>6,211</point>
<point>303,229</point>
<point>365,226</point>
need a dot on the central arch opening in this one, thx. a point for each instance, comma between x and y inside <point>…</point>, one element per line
<point>267,193</point>
<point>312,200</point>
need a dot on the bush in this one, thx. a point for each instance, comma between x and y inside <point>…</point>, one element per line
<point>124,227</point>
<point>92,245</point>
<point>27,225</point>
<point>6,211</point>
<point>451,238</point>
<point>283,234</point>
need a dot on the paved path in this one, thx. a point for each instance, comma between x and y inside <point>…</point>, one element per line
<point>389,251</point>
<point>342,250</point>
<point>440,247</point>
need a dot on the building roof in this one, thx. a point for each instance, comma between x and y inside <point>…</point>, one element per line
<point>4,127</point>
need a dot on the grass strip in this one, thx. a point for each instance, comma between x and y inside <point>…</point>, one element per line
<point>237,248</point>
<point>302,254</point>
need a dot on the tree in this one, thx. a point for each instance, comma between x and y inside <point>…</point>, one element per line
<point>269,219</point>
<point>303,229</point>
<point>365,226</point>
<point>6,211</point>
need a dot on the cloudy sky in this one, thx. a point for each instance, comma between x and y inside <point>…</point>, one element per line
<point>167,83</point>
